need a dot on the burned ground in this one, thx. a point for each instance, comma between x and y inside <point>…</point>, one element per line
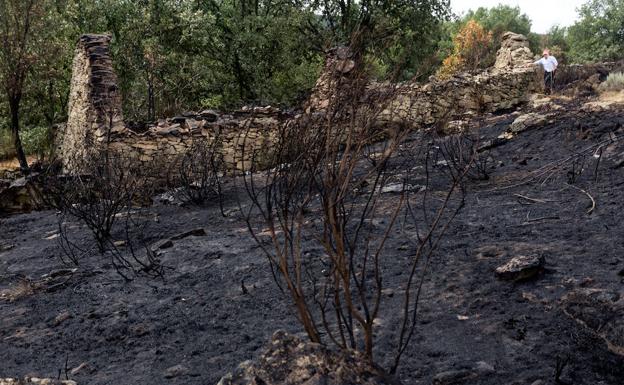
<point>218,305</point>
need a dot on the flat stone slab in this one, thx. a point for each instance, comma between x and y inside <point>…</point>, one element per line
<point>521,268</point>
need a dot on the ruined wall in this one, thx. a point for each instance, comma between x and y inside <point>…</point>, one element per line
<point>95,106</point>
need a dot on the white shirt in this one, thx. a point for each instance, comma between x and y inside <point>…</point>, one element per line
<point>550,64</point>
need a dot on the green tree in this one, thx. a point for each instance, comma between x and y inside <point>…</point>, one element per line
<point>497,20</point>
<point>402,35</point>
<point>599,34</point>
<point>556,39</point>
<point>27,56</point>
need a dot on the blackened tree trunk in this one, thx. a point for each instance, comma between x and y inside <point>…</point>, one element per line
<point>14,104</point>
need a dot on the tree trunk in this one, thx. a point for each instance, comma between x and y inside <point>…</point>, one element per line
<point>17,143</point>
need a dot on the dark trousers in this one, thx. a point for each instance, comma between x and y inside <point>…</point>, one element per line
<point>549,81</point>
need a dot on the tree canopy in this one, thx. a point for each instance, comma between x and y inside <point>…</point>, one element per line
<point>599,34</point>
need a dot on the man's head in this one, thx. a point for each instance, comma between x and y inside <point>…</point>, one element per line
<point>546,53</point>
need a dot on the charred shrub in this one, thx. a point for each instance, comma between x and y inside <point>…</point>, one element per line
<point>199,172</point>
<point>460,152</point>
<point>105,195</point>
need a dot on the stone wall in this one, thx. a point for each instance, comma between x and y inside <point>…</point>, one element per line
<point>95,106</point>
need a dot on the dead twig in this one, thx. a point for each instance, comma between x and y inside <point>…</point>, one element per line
<point>534,200</point>
<point>591,198</point>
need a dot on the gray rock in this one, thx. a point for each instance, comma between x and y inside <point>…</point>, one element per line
<point>176,371</point>
<point>521,268</point>
<point>528,121</point>
<point>465,375</point>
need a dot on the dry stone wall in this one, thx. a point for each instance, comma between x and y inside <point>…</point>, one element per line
<point>95,115</point>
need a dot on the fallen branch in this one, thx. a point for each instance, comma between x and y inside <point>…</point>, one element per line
<point>593,201</point>
<point>530,199</point>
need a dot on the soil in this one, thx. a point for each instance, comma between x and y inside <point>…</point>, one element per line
<point>218,304</point>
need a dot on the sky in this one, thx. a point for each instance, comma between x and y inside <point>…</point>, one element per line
<point>543,13</point>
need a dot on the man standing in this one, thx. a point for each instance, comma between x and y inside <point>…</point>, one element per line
<point>550,66</point>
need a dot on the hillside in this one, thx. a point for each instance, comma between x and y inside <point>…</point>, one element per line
<point>553,191</point>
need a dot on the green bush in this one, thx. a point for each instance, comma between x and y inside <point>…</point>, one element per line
<point>6,145</point>
<point>614,82</point>
<point>36,141</point>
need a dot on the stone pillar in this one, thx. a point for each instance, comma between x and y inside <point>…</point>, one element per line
<point>94,107</point>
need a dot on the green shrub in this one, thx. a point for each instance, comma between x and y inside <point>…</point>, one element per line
<point>36,141</point>
<point>614,82</point>
<point>6,145</point>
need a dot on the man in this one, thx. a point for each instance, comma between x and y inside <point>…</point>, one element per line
<point>549,63</point>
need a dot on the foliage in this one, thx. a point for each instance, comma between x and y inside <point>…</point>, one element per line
<point>614,82</point>
<point>471,45</point>
<point>176,55</point>
<point>597,36</point>
<point>495,20</point>
<point>28,63</point>
<point>557,42</point>
<point>36,141</point>
<point>6,145</point>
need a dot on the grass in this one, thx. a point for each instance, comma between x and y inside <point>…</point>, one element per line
<point>614,83</point>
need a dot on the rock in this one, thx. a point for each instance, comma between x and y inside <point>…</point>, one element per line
<point>521,268</point>
<point>64,316</point>
<point>23,195</point>
<point>176,371</point>
<point>452,377</point>
<point>599,311</point>
<point>395,188</point>
<point>528,121</point>
<point>209,115</point>
<point>6,246</point>
<point>120,243</point>
<point>484,368</point>
<point>289,360</point>
<point>465,375</point>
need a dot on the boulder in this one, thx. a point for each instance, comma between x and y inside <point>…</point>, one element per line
<point>521,268</point>
<point>528,121</point>
<point>289,360</point>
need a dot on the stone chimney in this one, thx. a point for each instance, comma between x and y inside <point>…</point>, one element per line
<point>94,107</point>
<point>514,52</point>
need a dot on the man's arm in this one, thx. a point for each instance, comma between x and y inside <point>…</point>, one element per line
<point>555,62</point>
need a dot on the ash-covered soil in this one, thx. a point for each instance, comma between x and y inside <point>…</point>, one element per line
<point>218,305</point>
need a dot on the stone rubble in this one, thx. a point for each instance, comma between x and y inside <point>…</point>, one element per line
<point>35,381</point>
<point>289,360</point>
